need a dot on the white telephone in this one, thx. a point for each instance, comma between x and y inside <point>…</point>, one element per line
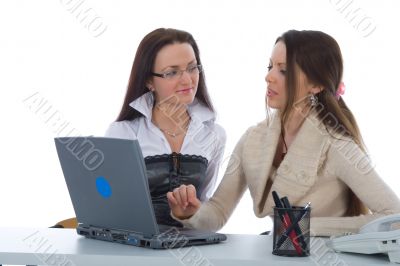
<point>378,236</point>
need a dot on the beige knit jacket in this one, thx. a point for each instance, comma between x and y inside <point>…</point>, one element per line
<point>317,168</point>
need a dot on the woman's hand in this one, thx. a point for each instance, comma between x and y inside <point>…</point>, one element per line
<point>183,201</point>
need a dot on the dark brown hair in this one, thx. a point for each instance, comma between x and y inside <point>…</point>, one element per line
<point>318,55</point>
<point>143,64</point>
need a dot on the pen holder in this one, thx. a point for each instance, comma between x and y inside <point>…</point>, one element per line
<point>291,231</point>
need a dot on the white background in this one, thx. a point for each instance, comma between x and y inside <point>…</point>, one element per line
<point>47,51</point>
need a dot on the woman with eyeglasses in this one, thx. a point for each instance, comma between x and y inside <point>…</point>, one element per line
<point>309,149</point>
<point>168,110</point>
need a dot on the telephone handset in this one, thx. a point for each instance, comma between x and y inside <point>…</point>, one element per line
<point>382,224</point>
<point>379,236</point>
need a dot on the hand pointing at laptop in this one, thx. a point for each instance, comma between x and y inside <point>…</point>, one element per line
<point>183,201</point>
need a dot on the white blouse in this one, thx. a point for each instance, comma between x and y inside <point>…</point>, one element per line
<point>204,137</point>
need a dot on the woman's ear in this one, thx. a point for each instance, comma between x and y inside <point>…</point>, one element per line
<point>149,85</point>
<point>316,89</point>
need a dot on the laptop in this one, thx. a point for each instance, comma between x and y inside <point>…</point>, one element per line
<point>108,186</point>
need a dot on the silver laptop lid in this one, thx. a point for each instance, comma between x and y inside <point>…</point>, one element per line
<point>107,182</point>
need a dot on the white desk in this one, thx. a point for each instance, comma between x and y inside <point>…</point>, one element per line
<point>63,247</point>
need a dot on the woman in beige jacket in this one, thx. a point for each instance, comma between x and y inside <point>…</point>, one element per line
<point>309,149</point>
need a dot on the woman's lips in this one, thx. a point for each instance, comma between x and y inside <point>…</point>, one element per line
<point>271,93</point>
<point>184,91</point>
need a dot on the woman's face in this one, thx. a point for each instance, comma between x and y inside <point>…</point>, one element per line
<point>177,86</point>
<point>276,82</point>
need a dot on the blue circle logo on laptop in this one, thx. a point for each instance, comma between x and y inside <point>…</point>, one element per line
<point>103,187</point>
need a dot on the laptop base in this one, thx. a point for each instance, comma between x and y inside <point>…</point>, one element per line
<point>172,238</point>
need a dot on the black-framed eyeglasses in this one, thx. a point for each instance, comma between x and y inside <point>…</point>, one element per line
<point>176,74</point>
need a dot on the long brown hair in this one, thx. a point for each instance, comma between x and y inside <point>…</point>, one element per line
<point>143,64</point>
<point>318,55</point>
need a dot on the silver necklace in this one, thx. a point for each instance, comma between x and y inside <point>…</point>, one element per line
<point>170,133</point>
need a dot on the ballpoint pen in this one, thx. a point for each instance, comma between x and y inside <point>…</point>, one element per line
<point>292,226</point>
<point>296,227</point>
<point>286,222</point>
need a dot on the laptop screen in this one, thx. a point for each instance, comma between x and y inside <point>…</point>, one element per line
<point>107,182</point>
